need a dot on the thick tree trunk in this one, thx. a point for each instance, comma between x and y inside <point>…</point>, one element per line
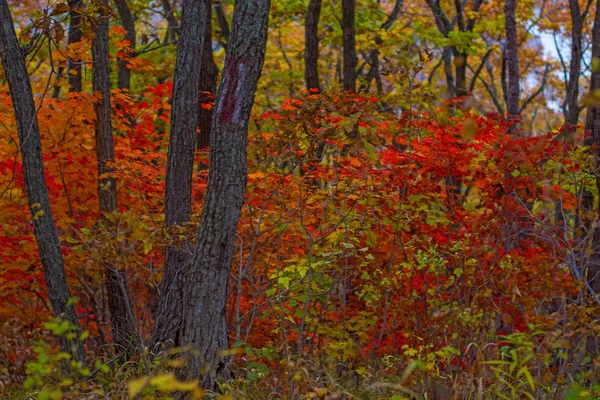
<point>205,323</point>
<point>123,323</point>
<point>180,163</point>
<point>349,46</point>
<point>571,106</point>
<point>512,59</point>
<point>13,60</point>
<point>124,73</point>
<point>75,36</point>
<point>592,125</point>
<point>311,40</point>
<point>208,83</point>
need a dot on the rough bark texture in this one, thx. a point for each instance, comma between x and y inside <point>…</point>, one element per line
<point>205,324</point>
<point>349,45</point>
<point>311,40</point>
<point>180,163</point>
<point>127,20</point>
<point>512,59</point>
<point>208,83</point>
<point>75,36</point>
<point>592,125</point>
<point>123,323</point>
<point>571,106</point>
<point>46,236</point>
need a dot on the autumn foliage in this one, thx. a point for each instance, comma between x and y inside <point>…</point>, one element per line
<point>437,238</point>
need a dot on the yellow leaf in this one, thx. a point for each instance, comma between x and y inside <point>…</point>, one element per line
<point>135,387</point>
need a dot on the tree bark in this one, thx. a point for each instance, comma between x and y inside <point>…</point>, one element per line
<point>207,83</point>
<point>180,163</point>
<point>349,46</point>
<point>75,36</point>
<point>205,323</point>
<point>311,40</point>
<point>46,236</point>
<point>512,60</point>
<point>128,22</point>
<point>123,323</point>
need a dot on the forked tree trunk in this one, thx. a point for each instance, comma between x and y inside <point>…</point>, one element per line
<point>124,73</point>
<point>512,60</point>
<point>123,322</point>
<point>349,46</point>
<point>311,40</point>
<point>205,323</point>
<point>13,60</point>
<point>180,163</point>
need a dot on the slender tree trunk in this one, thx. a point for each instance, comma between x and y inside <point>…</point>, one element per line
<point>373,57</point>
<point>571,106</point>
<point>180,163</point>
<point>127,20</point>
<point>205,323</point>
<point>13,60</point>
<point>119,304</point>
<point>207,83</point>
<point>512,60</point>
<point>449,73</point>
<point>592,125</point>
<point>173,26</point>
<point>223,24</point>
<point>311,51</point>
<point>75,36</point>
<point>349,46</point>
<point>460,71</point>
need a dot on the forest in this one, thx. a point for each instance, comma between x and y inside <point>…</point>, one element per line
<point>300,199</point>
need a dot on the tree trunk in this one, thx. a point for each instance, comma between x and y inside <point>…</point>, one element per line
<point>75,36</point>
<point>457,80</point>
<point>180,163</point>
<point>205,323</point>
<point>223,24</point>
<point>571,106</point>
<point>349,46</point>
<point>173,26</point>
<point>122,318</point>
<point>38,199</point>
<point>512,60</point>
<point>124,73</point>
<point>373,57</point>
<point>460,71</point>
<point>311,51</point>
<point>592,125</point>
<point>208,83</point>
